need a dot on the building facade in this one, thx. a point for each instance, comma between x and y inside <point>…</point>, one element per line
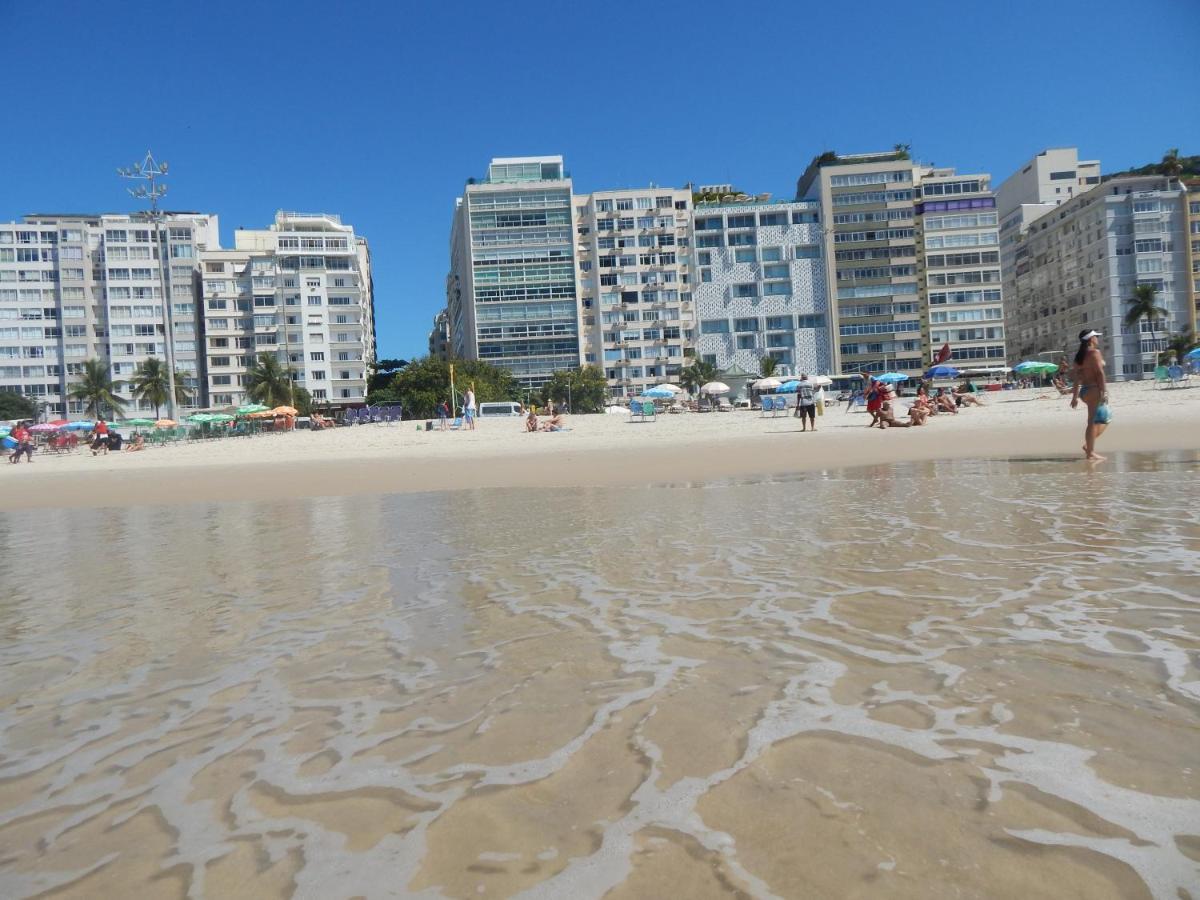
<point>958,265</point>
<point>439,336</point>
<point>1077,266</point>
<point>300,290</point>
<point>635,296</point>
<point>867,207</point>
<point>760,287</point>
<point>1193,247</point>
<point>511,294</point>
<point>79,287</point>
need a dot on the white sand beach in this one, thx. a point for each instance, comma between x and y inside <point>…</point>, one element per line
<point>597,450</point>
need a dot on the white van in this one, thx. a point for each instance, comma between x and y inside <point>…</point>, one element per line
<point>499,409</point>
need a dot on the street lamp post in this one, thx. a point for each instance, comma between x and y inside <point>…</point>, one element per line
<point>149,170</point>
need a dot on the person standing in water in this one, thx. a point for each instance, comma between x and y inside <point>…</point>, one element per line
<point>1090,387</point>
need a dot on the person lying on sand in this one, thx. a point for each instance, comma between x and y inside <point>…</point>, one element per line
<point>966,398</point>
<point>887,418</point>
<point>138,443</point>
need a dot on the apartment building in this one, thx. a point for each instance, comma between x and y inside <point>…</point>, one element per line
<point>1193,238</point>
<point>867,209</point>
<point>760,287</point>
<point>301,290</point>
<point>958,266</point>
<point>511,294</point>
<point>1077,266</point>
<point>75,287</point>
<point>439,336</point>
<point>633,277</point>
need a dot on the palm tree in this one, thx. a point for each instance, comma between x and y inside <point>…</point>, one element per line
<point>1170,164</point>
<point>1177,346</point>
<point>150,384</point>
<point>767,366</point>
<point>1144,305</point>
<point>696,375</point>
<point>267,381</point>
<point>97,390</point>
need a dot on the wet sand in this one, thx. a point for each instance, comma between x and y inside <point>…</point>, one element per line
<point>975,678</point>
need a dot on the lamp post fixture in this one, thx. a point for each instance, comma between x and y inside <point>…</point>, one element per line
<point>148,171</point>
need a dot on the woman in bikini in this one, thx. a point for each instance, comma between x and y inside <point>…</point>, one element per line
<point>1090,387</point>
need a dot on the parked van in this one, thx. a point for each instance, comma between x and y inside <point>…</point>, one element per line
<point>499,409</point>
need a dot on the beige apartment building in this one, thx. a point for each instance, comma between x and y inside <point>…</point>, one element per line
<point>633,257</point>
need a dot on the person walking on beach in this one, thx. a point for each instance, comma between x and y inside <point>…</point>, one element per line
<point>875,398</point>
<point>443,412</point>
<point>100,437</point>
<point>1090,387</point>
<point>806,404</point>
<point>469,407</point>
<point>24,439</point>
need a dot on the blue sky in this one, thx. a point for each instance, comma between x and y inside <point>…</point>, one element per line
<point>381,111</point>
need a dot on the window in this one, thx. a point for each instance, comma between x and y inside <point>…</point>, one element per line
<point>772,219</point>
<point>745,290</point>
<point>741,239</point>
<point>776,271</point>
<point>745,325</point>
<point>714,326</point>
<point>744,255</point>
<point>317,356</point>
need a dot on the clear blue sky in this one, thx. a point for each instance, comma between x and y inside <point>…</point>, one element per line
<point>381,111</point>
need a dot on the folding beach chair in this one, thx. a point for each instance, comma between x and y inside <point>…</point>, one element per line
<point>772,405</point>
<point>1175,373</point>
<point>635,410</point>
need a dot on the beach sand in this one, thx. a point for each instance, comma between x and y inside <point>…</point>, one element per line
<point>597,450</point>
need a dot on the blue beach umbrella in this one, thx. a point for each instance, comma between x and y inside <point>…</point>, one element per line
<point>1192,355</point>
<point>891,377</point>
<point>788,387</point>
<point>658,393</point>
<point>82,425</point>
<point>943,372</point>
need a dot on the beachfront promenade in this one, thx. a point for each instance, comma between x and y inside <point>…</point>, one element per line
<point>597,450</point>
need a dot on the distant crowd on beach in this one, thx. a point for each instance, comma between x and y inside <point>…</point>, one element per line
<point>887,411</point>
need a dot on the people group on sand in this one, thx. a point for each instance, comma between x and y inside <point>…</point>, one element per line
<point>556,421</point>
<point>22,437</point>
<point>881,404</point>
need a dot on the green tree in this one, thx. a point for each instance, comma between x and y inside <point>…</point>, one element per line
<point>150,384</point>
<point>97,390</point>
<point>424,382</point>
<point>1144,305</point>
<point>582,389</point>
<point>1171,163</point>
<point>696,375</point>
<point>302,400</point>
<point>1177,347</point>
<point>767,366</point>
<point>267,382</point>
<point>382,372</point>
<point>902,151</point>
<point>15,406</point>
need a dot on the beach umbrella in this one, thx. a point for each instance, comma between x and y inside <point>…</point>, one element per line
<point>200,418</point>
<point>1035,367</point>
<point>891,377</point>
<point>658,393</point>
<point>165,423</point>
<point>59,422</point>
<point>251,408</point>
<point>220,417</point>
<point>81,425</point>
<point>5,429</point>
<point>138,422</point>
<point>284,411</point>
<point>788,387</point>
<point>767,384</point>
<point>1192,355</point>
<point>714,387</point>
<point>943,372</point>
<point>673,388</point>
<point>44,427</point>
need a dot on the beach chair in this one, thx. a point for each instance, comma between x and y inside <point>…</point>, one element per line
<point>1160,376</point>
<point>635,410</point>
<point>768,406</point>
<point>1175,374</point>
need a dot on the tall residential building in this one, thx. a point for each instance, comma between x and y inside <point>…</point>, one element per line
<point>1077,266</point>
<point>958,263</point>
<point>1193,248</point>
<point>760,285</point>
<point>1052,177</point>
<point>439,336</point>
<point>511,294</point>
<point>301,290</point>
<point>633,283</point>
<point>867,204</point>
<point>76,287</point>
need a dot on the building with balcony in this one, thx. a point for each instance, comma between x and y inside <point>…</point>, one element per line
<point>867,208</point>
<point>511,293</point>
<point>1077,265</point>
<point>439,336</point>
<point>301,290</point>
<point>113,287</point>
<point>760,286</point>
<point>1193,248</point>
<point>633,276</point>
<point>958,267</point>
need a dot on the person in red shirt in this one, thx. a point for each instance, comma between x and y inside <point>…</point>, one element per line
<point>24,440</point>
<point>100,437</point>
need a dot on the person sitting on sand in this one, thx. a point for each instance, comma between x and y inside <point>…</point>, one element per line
<point>887,419</point>
<point>918,414</point>
<point>944,401</point>
<point>531,421</point>
<point>557,422</point>
<point>138,443</point>
<point>966,397</point>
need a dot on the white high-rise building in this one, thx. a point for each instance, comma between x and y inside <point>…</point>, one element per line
<point>78,287</point>
<point>634,284</point>
<point>300,290</point>
<point>511,294</point>
<point>760,286</point>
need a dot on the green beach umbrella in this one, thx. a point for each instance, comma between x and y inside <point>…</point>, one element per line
<point>138,422</point>
<point>200,418</point>
<point>1035,367</point>
<point>251,408</point>
<point>220,417</point>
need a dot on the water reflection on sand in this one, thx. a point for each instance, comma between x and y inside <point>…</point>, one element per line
<point>968,679</point>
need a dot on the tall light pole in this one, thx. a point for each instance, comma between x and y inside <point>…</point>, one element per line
<point>149,170</point>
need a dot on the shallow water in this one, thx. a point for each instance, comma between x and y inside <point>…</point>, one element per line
<point>970,679</point>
